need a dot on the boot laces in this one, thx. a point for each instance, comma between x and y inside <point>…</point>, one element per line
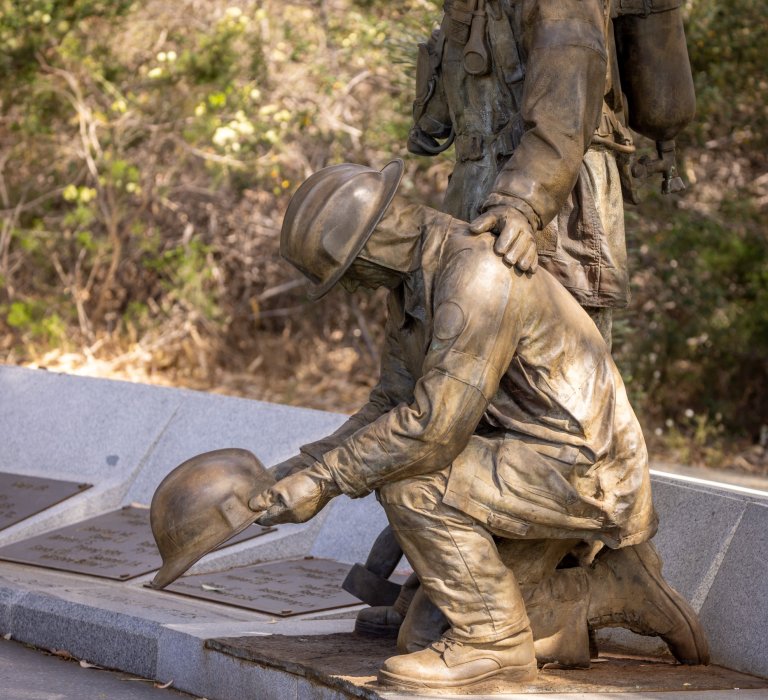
<point>444,644</point>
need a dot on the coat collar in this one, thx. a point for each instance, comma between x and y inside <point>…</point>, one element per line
<point>414,297</point>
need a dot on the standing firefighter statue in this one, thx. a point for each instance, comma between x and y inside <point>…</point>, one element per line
<point>536,97</point>
<point>498,439</point>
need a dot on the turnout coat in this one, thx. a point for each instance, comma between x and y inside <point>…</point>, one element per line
<point>502,379</point>
<point>532,131</point>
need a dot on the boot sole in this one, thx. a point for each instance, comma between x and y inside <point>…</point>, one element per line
<point>683,607</point>
<point>513,674</point>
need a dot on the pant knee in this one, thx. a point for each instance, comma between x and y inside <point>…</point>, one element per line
<point>413,503</point>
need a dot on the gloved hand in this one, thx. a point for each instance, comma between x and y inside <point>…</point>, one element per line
<point>515,242</point>
<point>296,498</point>
<point>291,466</point>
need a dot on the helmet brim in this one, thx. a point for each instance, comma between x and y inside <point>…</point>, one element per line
<point>392,173</point>
<point>176,566</point>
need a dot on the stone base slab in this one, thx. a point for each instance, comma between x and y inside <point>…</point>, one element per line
<point>348,663</point>
<point>220,652</point>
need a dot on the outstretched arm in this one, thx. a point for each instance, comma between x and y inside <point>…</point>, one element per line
<point>476,329</point>
<point>395,386</point>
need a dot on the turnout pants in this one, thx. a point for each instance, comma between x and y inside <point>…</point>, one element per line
<point>458,563</point>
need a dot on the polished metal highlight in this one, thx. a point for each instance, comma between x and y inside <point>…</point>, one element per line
<point>201,504</point>
<point>333,214</point>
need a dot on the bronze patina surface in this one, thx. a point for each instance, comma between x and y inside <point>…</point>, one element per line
<point>537,96</point>
<point>348,663</point>
<point>499,440</point>
<point>283,588</point>
<point>116,545</point>
<point>202,504</point>
<point>22,496</point>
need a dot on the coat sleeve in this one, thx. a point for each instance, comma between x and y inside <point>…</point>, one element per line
<point>475,334</point>
<point>561,104</point>
<point>395,386</point>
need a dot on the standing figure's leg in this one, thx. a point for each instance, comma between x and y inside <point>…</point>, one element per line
<point>461,572</point>
<point>603,318</point>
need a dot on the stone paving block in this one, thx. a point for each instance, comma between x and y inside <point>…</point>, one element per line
<point>9,598</point>
<point>111,624</point>
<point>110,597</point>
<point>207,422</point>
<point>307,690</point>
<point>349,664</point>
<point>735,612</point>
<point>112,640</point>
<point>77,429</point>
<point>197,670</point>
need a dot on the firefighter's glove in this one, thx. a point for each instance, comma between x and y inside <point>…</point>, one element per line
<point>515,241</point>
<point>297,498</point>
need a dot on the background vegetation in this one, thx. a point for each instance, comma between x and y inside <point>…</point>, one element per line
<point>148,150</point>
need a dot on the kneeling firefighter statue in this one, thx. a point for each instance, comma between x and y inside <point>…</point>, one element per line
<point>537,97</point>
<point>498,439</point>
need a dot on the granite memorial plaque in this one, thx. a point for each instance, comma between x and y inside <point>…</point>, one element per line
<point>282,588</point>
<point>22,496</point>
<point>117,545</point>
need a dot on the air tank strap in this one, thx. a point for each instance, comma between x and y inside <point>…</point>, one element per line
<point>644,7</point>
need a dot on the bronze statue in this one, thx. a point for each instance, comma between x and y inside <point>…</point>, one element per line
<point>521,90</point>
<point>498,439</point>
<point>533,95</point>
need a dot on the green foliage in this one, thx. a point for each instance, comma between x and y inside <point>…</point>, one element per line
<point>147,150</point>
<point>30,28</point>
<point>728,57</point>
<point>35,322</point>
<point>185,273</point>
<point>133,127</point>
<point>699,338</point>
